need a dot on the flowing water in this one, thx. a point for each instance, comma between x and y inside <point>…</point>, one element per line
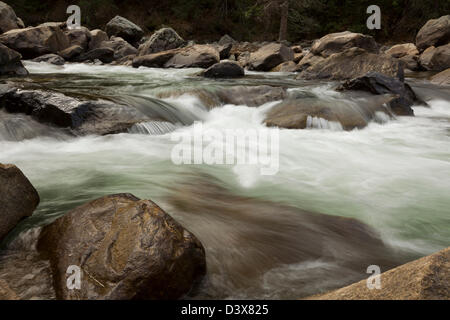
<point>393,175</point>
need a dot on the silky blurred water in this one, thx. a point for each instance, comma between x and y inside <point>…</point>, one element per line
<point>393,175</point>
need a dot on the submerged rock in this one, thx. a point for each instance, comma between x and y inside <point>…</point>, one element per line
<point>51,58</point>
<point>247,240</point>
<point>338,42</point>
<point>225,69</point>
<point>83,117</point>
<point>10,63</point>
<point>33,42</point>
<point>127,248</point>
<point>442,78</point>
<point>377,83</point>
<point>353,63</point>
<point>435,32</point>
<point>270,56</point>
<point>304,113</point>
<point>18,198</point>
<point>424,279</point>
<point>105,55</point>
<point>124,28</point>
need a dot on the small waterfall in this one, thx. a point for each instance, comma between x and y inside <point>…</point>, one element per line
<point>320,123</point>
<point>153,128</point>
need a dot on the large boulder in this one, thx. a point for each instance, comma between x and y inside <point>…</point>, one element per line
<point>10,63</point>
<point>224,69</point>
<point>270,56</point>
<point>120,46</point>
<point>105,55</point>
<point>162,40</point>
<point>8,18</point>
<point>435,32</point>
<point>353,63</point>
<point>380,84</point>
<point>312,113</point>
<point>401,50</point>
<point>288,66</point>
<point>121,27</point>
<point>154,60</point>
<point>127,248</point>
<point>97,37</point>
<point>82,116</point>
<point>51,58</point>
<point>80,37</point>
<point>33,42</point>
<point>18,198</point>
<point>338,42</point>
<point>425,58</point>
<point>441,58</point>
<point>196,56</point>
<point>71,53</point>
<point>424,279</point>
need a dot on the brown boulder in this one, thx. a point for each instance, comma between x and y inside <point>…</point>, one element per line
<point>424,279</point>
<point>353,63</point>
<point>224,69</point>
<point>196,56</point>
<point>127,248</point>
<point>97,37</point>
<point>425,58</point>
<point>441,58</point>
<point>401,50</point>
<point>270,56</point>
<point>338,42</point>
<point>288,66</point>
<point>18,198</point>
<point>435,32</point>
<point>80,37</point>
<point>33,42</point>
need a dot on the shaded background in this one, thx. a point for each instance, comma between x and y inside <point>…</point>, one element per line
<point>245,20</point>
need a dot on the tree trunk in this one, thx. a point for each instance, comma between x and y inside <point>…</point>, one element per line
<point>284,11</point>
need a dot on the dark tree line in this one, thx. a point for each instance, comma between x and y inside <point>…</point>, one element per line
<point>250,20</point>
